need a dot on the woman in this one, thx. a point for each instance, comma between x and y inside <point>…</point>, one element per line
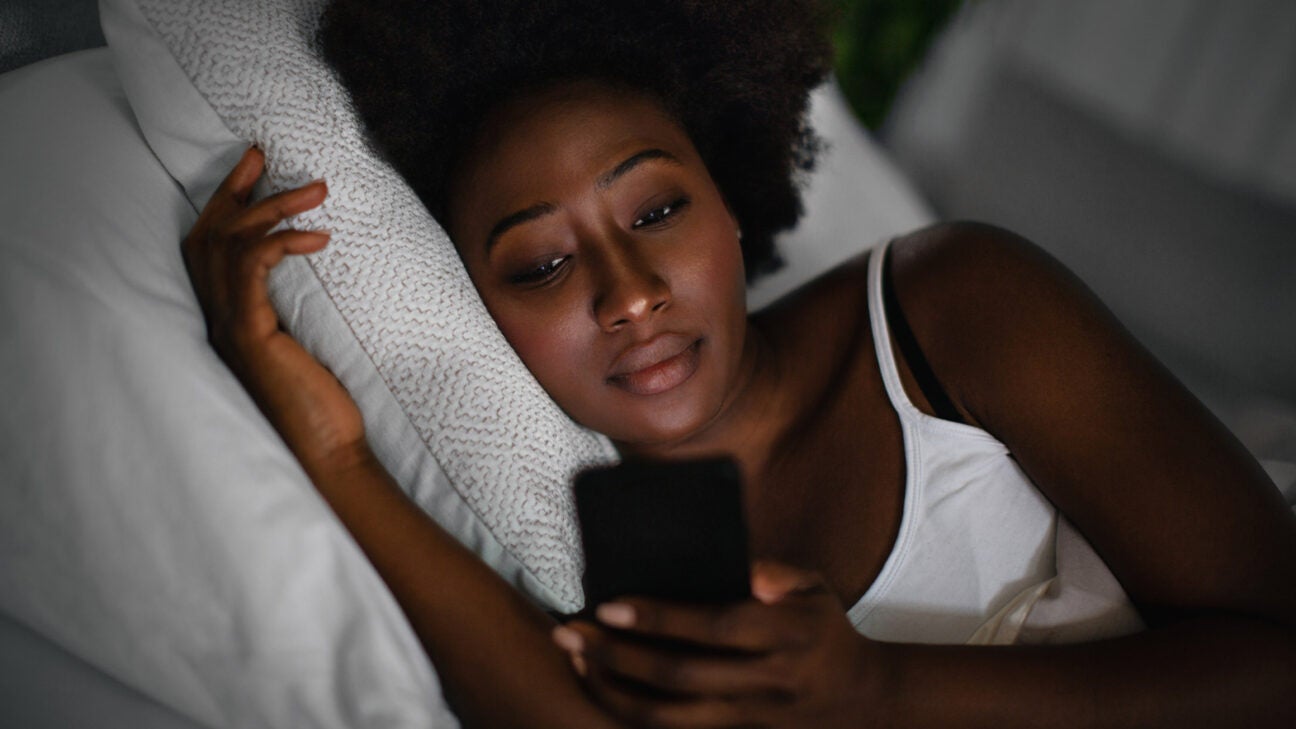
<point>611,175</point>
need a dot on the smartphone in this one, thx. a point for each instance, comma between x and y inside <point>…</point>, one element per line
<point>666,529</point>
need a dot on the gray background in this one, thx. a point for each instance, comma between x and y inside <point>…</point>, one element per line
<point>34,29</point>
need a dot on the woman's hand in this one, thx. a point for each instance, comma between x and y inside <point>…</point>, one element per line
<point>229,254</point>
<point>788,658</point>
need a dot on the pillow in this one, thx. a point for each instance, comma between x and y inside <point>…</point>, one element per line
<point>452,412</point>
<point>151,523</point>
<point>855,199</point>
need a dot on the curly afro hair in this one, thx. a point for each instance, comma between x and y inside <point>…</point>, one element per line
<point>736,75</point>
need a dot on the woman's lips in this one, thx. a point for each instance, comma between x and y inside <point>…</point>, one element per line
<point>658,365</point>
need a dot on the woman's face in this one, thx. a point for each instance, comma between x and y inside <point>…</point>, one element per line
<point>608,257</point>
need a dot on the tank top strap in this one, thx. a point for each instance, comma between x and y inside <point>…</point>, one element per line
<point>882,337</point>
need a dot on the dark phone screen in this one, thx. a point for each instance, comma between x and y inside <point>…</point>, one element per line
<point>671,530</point>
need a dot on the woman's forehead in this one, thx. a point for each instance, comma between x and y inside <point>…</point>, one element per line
<point>580,118</point>
<point>535,147</point>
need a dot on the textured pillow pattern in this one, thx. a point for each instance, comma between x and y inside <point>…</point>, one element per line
<point>399,321</point>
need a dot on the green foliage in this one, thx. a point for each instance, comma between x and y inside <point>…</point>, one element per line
<point>878,43</point>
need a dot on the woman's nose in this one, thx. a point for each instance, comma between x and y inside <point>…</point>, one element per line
<point>631,290</point>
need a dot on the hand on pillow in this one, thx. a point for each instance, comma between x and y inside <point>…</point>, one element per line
<point>229,254</point>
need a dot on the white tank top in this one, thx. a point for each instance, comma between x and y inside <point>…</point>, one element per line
<point>979,548</point>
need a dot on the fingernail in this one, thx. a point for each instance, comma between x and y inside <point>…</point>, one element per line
<point>578,663</point>
<point>568,639</point>
<point>616,614</point>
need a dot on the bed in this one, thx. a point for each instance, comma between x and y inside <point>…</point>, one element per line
<point>163,561</point>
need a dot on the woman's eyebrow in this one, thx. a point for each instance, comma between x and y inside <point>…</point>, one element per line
<point>608,178</point>
<point>514,219</point>
<point>604,181</point>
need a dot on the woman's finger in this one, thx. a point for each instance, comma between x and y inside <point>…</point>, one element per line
<point>266,214</point>
<point>747,626</point>
<point>239,182</point>
<point>677,669</point>
<point>250,273</point>
<point>643,706</point>
<point>235,190</point>
<point>774,581</point>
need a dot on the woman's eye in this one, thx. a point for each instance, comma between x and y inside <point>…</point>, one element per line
<point>661,214</point>
<point>541,273</point>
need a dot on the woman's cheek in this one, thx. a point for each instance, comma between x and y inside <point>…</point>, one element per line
<point>551,346</point>
<point>718,275</point>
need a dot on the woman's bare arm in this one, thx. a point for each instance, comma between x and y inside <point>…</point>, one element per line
<point>491,648</point>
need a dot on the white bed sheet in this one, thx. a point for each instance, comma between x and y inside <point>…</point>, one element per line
<point>43,686</point>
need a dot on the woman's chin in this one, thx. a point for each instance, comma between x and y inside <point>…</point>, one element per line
<point>662,429</point>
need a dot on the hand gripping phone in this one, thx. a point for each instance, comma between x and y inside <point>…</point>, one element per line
<point>664,529</point>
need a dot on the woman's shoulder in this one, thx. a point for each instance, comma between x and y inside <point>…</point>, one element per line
<point>951,258</point>
<point>996,316</point>
<point>968,292</point>
<point>936,271</point>
<point>960,281</point>
<point>945,266</point>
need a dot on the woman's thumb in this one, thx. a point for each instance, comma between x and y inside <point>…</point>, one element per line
<point>774,581</point>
